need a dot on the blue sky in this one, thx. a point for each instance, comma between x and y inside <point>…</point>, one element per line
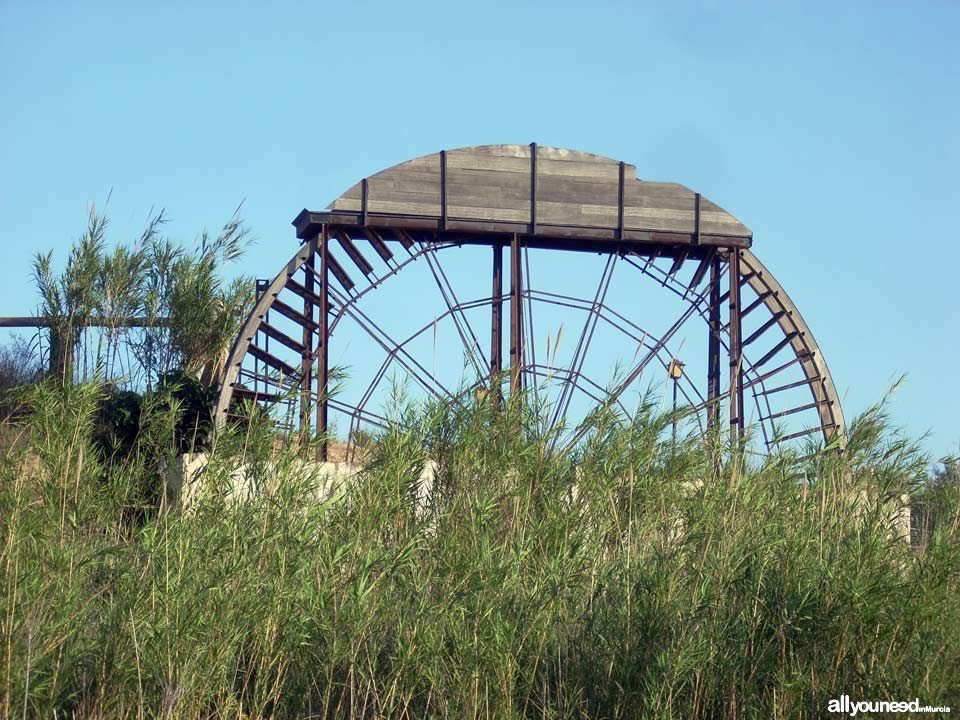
<point>830,129</point>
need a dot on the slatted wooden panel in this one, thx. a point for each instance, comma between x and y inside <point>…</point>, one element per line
<point>573,189</point>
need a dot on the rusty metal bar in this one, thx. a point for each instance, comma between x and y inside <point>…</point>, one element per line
<point>363,201</point>
<point>530,334</point>
<point>443,189</point>
<point>516,314</point>
<point>462,324</point>
<point>622,173</point>
<point>496,323</point>
<point>696,218</point>
<point>306,361</point>
<point>653,353</point>
<point>586,337</point>
<point>736,348</point>
<point>713,348</point>
<point>533,188</point>
<point>391,347</point>
<point>323,346</point>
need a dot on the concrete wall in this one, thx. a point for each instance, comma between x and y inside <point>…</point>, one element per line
<point>185,479</point>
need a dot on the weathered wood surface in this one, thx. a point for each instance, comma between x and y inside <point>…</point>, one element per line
<point>493,184</point>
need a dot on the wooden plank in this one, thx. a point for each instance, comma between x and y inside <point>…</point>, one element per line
<point>405,183</point>
<point>553,153</point>
<point>654,195</point>
<point>404,237</point>
<point>771,321</point>
<point>282,337</point>
<point>468,195</point>
<point>271,360</point>
<point>776,348</point>
<point>292,314</point>
<point>701,270</point>
<point>457,160</point>
<point>600,172</point>
<point>243,393</point>
<point>479,177</point>
<point>517,151</point>
<point>302,291</point>
<point>337,269</point>
<point>346,242</point>
<point>508,214</point>
<point>555,188</point>
<point>405,206</point>
<point>378,244</point>
<point>580,214</point>
<point>497,177</point>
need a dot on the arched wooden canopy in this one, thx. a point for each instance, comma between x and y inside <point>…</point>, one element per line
<point>521,197</point>
<point>533,190</point>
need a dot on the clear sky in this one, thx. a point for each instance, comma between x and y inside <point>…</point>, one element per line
<point>831,129</point>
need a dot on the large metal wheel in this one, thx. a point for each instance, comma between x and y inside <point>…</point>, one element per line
<point>450,295</point>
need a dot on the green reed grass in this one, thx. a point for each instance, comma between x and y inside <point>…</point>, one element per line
<point>633,578</point>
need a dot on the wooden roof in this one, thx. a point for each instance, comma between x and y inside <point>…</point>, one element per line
<point>536,190</point>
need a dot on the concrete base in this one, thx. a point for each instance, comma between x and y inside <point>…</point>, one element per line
<point>185,479</point>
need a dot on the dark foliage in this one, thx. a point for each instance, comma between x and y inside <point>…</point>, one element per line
<point>19,367</point>
<point>117,423</point>
<point>193,402</point>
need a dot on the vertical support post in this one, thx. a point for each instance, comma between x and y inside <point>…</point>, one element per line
<point>306,361</point>
<point>622,173</point>
<point>363,202</point>
<point>713,349</point>
<point>323,346</point>
<point>736,348</point>
<point>516,314</point>
<point>533,188</point>
<point>496,323</point>
<point>443,190</point>
<point>696,218</point>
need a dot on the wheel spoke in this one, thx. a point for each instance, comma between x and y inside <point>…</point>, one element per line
<point>586,337</point>
<point>469,338</point>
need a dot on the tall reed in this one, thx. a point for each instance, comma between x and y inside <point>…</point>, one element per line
<point>632,578</point>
